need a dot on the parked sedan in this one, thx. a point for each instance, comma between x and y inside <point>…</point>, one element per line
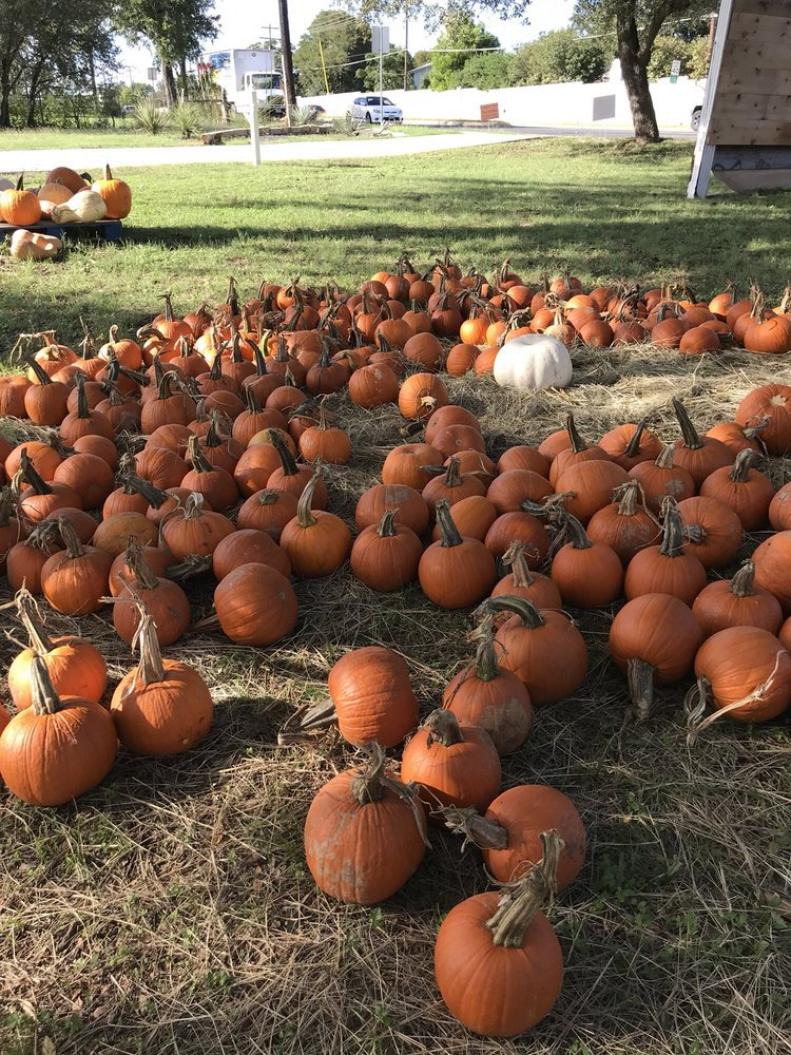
<point>369,108</point>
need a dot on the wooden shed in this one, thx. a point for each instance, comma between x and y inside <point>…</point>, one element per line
<point>744,136</point>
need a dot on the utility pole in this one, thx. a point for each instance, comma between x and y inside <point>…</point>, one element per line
<point>406,44</point>
<point>288,66</point>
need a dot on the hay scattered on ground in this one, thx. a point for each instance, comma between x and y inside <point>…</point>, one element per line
<point>171,911</point>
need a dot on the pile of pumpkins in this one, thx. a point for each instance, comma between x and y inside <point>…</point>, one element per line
<point>199,447</point>
<point>65,197</point>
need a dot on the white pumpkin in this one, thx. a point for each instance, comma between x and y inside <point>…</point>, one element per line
<point>29,245</point>
<point>533,361</point>
<point>52,194</point>
<point>86,206</point>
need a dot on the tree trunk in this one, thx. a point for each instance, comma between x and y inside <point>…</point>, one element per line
<point>168,80</point>
<point>5,104</point>
<point>32,94</point>
<point>183,77</point>
<point>635,77</point>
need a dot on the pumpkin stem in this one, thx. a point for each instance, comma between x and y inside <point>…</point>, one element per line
<point>477,830</point>
<point>740,472</point>
<point>626,496</point>
<point>520,901</point>
<point>69,537</point>
<point>664,460</point>
<point>443,728</point>
<point>486,668</point>
<point>453,474</point>
<point>632,448</point>
<point>576,533</point>
<point>232,300</point>
<point>134,484</point>
<point>640,676</point>
<point>515,558</point>
<point>83,410</point>
<point>193,506</point>
<point>287,459</point>
<point>387,528</point>
<point>673,538</point>
<point>150,669</point>
<point>260,362</point>
<point>199,463</point>
<point>41,375</point>
<point>252,402</point>
<point>30,617</point>
<point>268,497</point>
<point>368,786</point>
<point>576,442</point>
<point>530,615</point>
<point>165,383</point>
<point>449,533</point>
<point>743,582</point>
<point>689,433</point>
<point>305,517</point>
<point>30,476</point>
<point>45,698</point>
<point>168,299</point>
<point>371,784</point>
<point>143,573</point>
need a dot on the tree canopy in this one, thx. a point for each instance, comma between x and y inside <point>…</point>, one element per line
<point>434,13</point>
<point>562,55</point>
<point>175,29</point>
<point>60,52</point>
<point>462,36</point>
<point>342,40</point>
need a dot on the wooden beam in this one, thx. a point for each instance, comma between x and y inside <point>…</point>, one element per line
<point>704,151</point>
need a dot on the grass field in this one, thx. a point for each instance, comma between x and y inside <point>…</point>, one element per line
<point>170,912</point>
<point>132,136</point>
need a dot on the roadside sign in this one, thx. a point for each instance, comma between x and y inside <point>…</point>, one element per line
<point>380,39</point>
<point>675,70</point>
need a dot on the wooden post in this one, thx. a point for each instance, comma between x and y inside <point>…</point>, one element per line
<point>288,66</point>
<point>704,151</point>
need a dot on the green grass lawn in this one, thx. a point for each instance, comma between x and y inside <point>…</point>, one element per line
<point>170,912</point>
<point>131,136</point>
<point>76,138</point>
<point>604,210</point>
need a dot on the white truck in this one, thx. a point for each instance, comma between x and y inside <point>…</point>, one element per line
<point>239,70</point>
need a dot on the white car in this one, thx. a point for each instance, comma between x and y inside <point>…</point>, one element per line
<point>369,108</point>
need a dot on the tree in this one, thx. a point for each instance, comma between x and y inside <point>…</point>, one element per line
<point>699,58</point>
<point>175,29</point>
<point>636,24</point>
<point>60,50</point>
<point>562,55</point>
<point>434,13</point>
<point>342,41</point>
<point>461,36</point>
<point>368,73</point>
<point>487,69</point>
<point>666,50</point>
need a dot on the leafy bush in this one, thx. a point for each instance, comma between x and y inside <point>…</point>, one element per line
<point>664,53</point>
<point>149,117</point>
<point>303,115</point>
<point>187,118</point>
<point>559,56</point>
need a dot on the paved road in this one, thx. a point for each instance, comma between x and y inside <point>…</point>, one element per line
<point>92,158</point>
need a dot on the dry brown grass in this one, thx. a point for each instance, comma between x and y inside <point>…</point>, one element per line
<point>170,912</point>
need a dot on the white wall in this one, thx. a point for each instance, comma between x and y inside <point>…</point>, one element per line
<point>539,105</point>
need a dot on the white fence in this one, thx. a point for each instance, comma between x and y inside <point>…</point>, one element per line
<point>542,105</point>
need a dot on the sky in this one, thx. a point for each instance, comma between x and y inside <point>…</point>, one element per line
<point>242,22</point>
